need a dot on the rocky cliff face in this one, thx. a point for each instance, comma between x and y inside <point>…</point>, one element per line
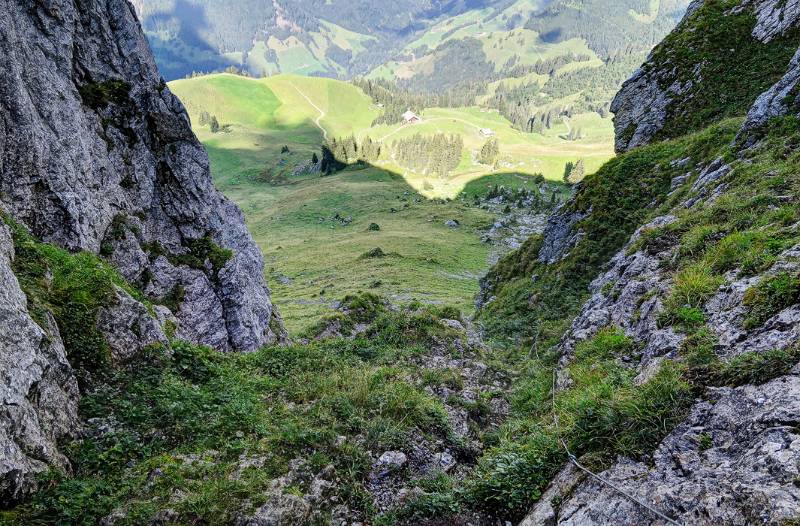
<point>38,391</point>
<point>721,56</point>
<point>735,458</point>
<point>97,155</point>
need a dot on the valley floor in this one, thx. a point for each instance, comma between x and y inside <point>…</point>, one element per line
<point>315,231</point>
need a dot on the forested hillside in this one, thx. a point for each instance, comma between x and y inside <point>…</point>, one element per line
<point>441,43</point>
<point>330,38</point>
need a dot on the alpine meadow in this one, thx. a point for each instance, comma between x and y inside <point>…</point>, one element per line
<point>400,263</point>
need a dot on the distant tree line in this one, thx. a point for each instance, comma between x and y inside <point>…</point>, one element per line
<point>542,66</point>
<point>438,155</point>
<point>596,85</point>
<point>545,196</point>
<point>535,109</point>
<point>525,109</point>
<point>396,100</point>
<point>455,63</point>
<point>206,119</point>
<point>348,150</point>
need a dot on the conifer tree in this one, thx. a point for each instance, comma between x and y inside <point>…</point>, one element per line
<point>578,172</point>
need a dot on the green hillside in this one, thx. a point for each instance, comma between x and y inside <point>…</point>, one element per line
<point>265,115</point>
<point>331,37</point>
<point>314,231</point>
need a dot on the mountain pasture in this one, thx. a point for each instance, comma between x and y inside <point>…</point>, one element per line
<point>315,231</point>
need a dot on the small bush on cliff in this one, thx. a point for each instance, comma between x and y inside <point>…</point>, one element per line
<point>98,95</point>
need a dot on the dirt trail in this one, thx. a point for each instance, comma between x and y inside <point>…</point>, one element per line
<point>321,113</point>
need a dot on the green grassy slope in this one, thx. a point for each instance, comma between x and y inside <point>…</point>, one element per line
<point>318,259</point>
<point>266,114</point>
<point>313,259</point>
<point>294,221</point>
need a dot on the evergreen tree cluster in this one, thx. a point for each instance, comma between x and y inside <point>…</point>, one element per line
<point>598,85</point>
<point>438,155</point>
<point>575,133</point>
<point>396,100</point>
<point>534,109</point>
<point>456,63</point>
<point>209,120</point>
<point>574,172</point>
<point>490,152</point>
<point>526,110</point>
<point>348,150</point>
<point>542,66</point>
<point>578,172</point>
<point>542,198</point>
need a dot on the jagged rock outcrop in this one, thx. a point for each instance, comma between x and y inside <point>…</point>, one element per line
<point>560,235</point>
<point>38,392</point>
<point>128,326</point>
<point>656,102</point>
<point>733,461</point>
<point>96,154</point>
<point>782,99</point>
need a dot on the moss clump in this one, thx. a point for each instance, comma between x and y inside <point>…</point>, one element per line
<point>116,232</point>
<point>204,249</point>
<point>771,296</point>
<point>73,287</point>
<point>98,95</point>
<point>199,251</point>
<point>694,285</point>
<point>174,298</point>
<point>376,252</point>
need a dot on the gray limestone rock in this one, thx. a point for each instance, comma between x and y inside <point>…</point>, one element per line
<point>651,98</point>
<point>98,153</point>
<point>128,326</point>
<point>775,17</point>
<point>781,99</point>
<point>38,392</point>
<point>560,235</point>
<point>734,461</point>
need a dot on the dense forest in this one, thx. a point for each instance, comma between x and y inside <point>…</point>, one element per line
<point>607,27</point>
<point>349,150</point>
<point>437,155</point>
<point>534,108</point>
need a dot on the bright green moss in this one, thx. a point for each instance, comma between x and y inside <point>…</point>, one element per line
<point>73,288</point>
